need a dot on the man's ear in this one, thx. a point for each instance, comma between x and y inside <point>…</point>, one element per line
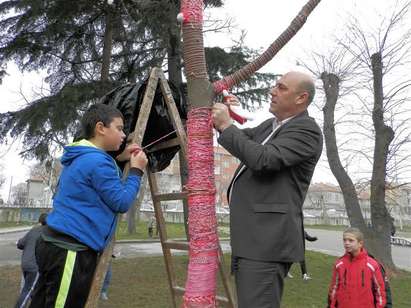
<point>302,98</point>
<point>99,128</point>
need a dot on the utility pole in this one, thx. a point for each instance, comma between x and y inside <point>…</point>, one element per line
<point>11,184</point>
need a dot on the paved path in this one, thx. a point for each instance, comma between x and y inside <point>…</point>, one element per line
<point>330,242</point>
<point>14,229</point>
<point>9,254</point>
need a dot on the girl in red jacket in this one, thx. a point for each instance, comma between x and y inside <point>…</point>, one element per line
<point>358,280</point>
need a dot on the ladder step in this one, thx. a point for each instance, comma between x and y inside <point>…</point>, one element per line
<point>177,245</point>
<point>222,299</point>
<point>180,291</point>
<point>170,196</point>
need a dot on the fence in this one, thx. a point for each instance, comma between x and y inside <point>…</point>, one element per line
<point>400,241</point>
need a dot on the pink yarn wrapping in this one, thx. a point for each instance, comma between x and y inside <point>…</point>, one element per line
<point>192,11</point>
<point>202,224</point>
<point>220,86</point>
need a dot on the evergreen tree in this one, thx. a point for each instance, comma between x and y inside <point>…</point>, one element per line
<point>88,48</point>
<point>67,39</point>
<point>222,63</point>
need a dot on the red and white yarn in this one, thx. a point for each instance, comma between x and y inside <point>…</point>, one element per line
<point>192,11</point>
<point>202,224</point>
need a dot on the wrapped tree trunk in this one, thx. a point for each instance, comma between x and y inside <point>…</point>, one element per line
<point>202,221</point>
<point>203,253</point>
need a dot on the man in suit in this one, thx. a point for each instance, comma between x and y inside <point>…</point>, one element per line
<point>267,192</point>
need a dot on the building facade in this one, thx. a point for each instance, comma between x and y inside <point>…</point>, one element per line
<point>324,204</point>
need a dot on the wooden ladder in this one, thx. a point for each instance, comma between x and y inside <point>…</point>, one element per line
<point>167,245</point>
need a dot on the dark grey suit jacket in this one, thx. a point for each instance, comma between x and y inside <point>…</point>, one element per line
<point>266,220</point>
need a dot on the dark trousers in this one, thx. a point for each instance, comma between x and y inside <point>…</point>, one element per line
<point>65,276</point>
<point>30,279</point>
<point>303,267</point>
<point>259,284</point>
<point>107,279</point>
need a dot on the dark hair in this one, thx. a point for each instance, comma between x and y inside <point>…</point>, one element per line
<point>42,218</point>
<point>98,113</point>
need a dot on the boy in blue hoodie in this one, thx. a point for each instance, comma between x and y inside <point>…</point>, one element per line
<point>90,195</point>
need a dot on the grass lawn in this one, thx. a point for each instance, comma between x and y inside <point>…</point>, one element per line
<point>177,230</point>
<point>174,230</point>
<point>142,282</point>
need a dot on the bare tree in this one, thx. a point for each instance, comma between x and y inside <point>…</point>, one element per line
<point>19,195</point>
<point>2,176</point>
<point>48,171</point>
<point>367,64</point>
<point>133,214</point>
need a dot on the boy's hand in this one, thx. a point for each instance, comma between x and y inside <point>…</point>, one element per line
<point>126,154</point>
<point>138,160</point>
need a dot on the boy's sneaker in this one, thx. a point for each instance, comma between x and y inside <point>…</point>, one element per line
<point>306,277</point>
<point>104,296</point>
<point>289,275</point>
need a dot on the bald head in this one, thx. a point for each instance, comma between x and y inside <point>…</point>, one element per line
<point>291,95</point>
<point>303,83</point>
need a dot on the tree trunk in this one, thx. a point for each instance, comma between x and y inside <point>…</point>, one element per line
<point>200,289</point>
<point>377,239</point>
<point>331,85</point>
<point>203,253</point>
<point>175,77</point>
<point>108,35</point>
<point>174,48</point>
<point>381,220</point>
<point>133,214</point>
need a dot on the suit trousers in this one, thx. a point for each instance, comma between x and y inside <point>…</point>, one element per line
<point>259,284</point>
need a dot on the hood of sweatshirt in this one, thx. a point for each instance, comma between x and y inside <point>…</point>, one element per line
<point>76,149</point>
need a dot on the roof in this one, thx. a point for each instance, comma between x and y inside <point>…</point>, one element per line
<point>35,179</point>
<point>324,187</point>
<point>220,150</point>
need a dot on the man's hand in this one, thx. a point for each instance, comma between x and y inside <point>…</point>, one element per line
<point>221,117</point>
<point>126,154</point>
<point>231,100</point>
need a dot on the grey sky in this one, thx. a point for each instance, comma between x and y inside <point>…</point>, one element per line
<point>263,20</point>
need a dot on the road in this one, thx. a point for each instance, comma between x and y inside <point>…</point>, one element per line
<point>329,242</point>
<point>9,254</point>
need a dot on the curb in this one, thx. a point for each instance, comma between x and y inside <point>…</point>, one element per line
<point>10,230</point>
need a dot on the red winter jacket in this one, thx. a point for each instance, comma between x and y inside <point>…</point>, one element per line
<point>357,283</point>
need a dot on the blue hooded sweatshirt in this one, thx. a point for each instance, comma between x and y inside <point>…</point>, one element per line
<point>90,194</point>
